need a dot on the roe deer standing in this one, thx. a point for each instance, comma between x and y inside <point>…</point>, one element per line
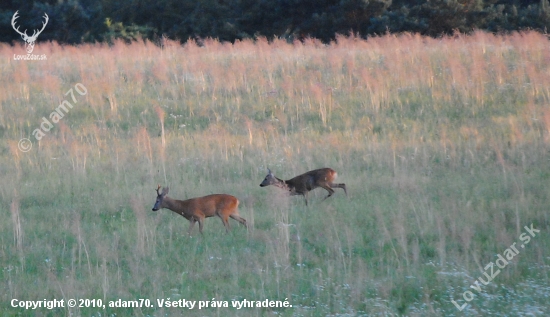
<point>197,209</point>
<point>302,184</point>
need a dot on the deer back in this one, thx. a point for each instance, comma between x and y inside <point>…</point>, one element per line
<point>211,205</point>
<point>311,180</point>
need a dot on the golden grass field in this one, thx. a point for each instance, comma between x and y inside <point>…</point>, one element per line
<point>443,144</point>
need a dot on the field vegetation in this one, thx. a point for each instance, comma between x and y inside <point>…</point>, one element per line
<point>443,145</point>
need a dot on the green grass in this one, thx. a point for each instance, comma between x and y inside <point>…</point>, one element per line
<point>443,145</point>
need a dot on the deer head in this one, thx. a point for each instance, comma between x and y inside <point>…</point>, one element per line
<point>269,179</point>
<point>160,197</point>
<point>29,40</point>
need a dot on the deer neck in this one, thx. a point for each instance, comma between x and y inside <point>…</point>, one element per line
<point>285,185</point>
<point>172,204</point>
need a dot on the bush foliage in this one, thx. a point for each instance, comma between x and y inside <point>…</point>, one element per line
<point>79,21</point>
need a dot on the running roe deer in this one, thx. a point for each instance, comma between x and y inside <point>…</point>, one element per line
<point>302,184</point>
<point>197,209</point>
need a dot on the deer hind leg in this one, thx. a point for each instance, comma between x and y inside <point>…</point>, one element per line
<point>225,220</point>
<point>226,224</point>
<point>201,221</point>
<point>305,197</point>
<point>342,185</point>
<point>239,219</point>
<point>330,190</point>
<point>191,225</point>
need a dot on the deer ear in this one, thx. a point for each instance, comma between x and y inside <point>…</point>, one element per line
<point>269,171</point>
<point>165,191</point>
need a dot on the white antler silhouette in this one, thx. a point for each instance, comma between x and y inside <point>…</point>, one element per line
<point>29,40</point>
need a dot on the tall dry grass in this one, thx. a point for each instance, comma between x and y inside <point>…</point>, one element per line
<point>443,144</point>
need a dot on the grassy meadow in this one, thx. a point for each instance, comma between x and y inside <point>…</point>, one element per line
<point>443,145</point>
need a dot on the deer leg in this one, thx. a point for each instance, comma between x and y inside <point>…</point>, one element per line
<point>191,225</point>
<point>200,224</point>
<point>305,197</point>
<point>239,219</point>
<point>225,220</point>
<point>330,191</point>
<point>342,185</point>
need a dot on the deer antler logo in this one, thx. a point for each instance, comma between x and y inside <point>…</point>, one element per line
<point>29,40</point>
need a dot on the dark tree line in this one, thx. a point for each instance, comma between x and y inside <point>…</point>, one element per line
<point>78,21</point>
